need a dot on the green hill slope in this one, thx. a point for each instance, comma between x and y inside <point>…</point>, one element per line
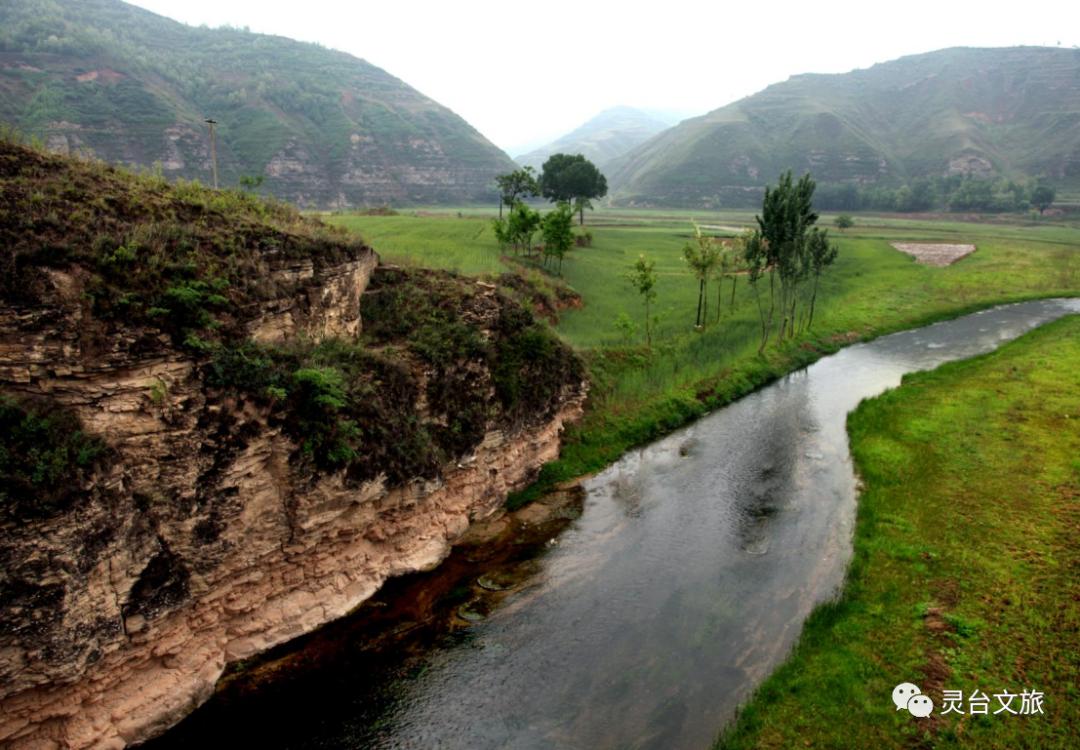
<point>1011,112</point>
<point>323,127</point>
<point>610,134</point>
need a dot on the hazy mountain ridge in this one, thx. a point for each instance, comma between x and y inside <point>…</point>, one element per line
<point>605,137</point>
<point>1013,112</point>
<point>322,126</point>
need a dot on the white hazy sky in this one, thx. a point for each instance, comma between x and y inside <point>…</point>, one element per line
<point>525,73</point>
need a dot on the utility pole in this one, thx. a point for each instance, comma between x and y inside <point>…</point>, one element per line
<point>213,149</point>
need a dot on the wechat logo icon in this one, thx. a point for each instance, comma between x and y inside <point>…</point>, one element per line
<point>908,696</point>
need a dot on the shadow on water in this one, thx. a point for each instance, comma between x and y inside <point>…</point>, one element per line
<point>676,585</point>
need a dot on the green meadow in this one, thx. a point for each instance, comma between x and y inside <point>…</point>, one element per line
<point>965,572</point>
<point>638,394</point>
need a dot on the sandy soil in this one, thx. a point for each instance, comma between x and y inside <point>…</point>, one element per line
<point>933,254</point>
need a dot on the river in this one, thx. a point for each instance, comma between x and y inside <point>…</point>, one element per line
<point>682,584</point>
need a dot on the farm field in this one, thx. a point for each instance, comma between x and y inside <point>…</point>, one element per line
<point>639,394</point>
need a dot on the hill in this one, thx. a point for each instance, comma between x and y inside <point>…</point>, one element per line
<point>1012,112</point>
<point>610,134</point>
<point>323,127</point>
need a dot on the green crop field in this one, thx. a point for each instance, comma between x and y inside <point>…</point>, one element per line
<point>638,395</point>
<point>955,585</point>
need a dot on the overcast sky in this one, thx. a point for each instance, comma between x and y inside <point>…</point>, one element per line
<point>525,73</point>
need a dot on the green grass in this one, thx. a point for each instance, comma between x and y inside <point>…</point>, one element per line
<point>638,395</point>
<point>966,572</point>
<point>464,245</point>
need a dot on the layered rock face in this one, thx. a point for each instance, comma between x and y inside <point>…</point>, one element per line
<point>197,547</point>
<point>213,527</point>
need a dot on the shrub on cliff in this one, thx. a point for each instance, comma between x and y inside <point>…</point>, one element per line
<point>45,457</point>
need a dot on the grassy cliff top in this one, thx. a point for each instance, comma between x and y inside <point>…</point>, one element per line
<point>178,256</point>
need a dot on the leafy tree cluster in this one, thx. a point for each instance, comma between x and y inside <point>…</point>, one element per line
<point>788,249</point>
<point>952,193</point>
<point>516,186</point>
<point>703,258</point>
<point>571,182</point>
<point>573,179</point>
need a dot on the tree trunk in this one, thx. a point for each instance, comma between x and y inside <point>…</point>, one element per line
<point>766,323</point>
<point>813,298</point>
<point>705,304</point>
<point>719,297</point>
<point>648,332</point>
<point>700,291</point>
<point>734,278</point>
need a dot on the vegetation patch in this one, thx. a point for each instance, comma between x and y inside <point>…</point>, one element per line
<point>181,258</point>
<point>46,458</point>
<point>638,394</point>
<point>442,360</point>
<point>964,575</point>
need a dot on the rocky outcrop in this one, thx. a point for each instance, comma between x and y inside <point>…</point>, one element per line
<point>201,541</point>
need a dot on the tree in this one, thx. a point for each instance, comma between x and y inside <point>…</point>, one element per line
<point>643,278</point>
<point>779,247</point>
<point>557,230</point>
<point>702,256</point>
<point>729,266</point>
<point>573,179</point>
<point>515,185</point>
<point>580,204</point>
<point>843,221</point>
<point>251,183</point>
<point>822,255</point>
<point>517,228</point>
<point>1042,196</point>
<point>524,222</point>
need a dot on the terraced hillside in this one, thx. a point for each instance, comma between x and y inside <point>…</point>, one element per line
<point>1012,112</point>
<point>322,127</point>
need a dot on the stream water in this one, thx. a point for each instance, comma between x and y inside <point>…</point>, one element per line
<point>683,583</point>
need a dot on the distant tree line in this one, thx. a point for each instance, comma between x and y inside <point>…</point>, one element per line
<point>952,193</point>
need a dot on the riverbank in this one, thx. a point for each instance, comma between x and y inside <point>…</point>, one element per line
<point>964,575</point>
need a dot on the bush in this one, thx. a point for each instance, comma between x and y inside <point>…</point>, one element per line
<point>45,457</point>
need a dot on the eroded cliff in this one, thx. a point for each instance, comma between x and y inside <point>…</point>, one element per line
<point>205,453</point>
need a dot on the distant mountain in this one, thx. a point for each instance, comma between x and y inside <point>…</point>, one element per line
<point>610,134</point>
<point>324,128</point>
<point>1012,112</point>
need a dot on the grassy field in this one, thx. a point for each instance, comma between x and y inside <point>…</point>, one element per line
<point>638,395</point>
<point>966,574</point>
